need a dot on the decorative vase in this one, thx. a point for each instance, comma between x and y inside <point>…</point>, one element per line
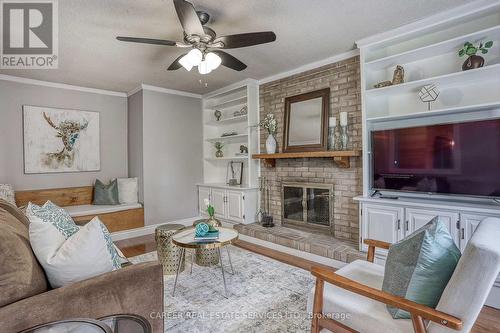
<point>331,137</point>
<point>271,144</point>
<point>212,221</point>
<point>219,153</point>
<point>472,62</point>
<point>344,138</point>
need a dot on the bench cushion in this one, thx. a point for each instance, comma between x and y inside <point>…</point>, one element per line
<point>84,210</point>
<point>358,312</point>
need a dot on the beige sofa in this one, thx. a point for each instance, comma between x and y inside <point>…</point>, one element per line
<point>26,299</point>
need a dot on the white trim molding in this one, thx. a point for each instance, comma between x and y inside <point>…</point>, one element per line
<point>148,229</point>
<point>24,80</point>
<point>163,90</point>
<point>310,66</point>
<point>231,86</point>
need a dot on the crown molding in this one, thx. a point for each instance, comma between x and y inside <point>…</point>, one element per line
<point>24,80</point>
<point>429,22</point>
<point>232,86</point>
<point>163,90</point>
<point>312,65</point>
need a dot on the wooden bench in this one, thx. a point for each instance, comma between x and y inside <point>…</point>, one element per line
<point>76,196</point>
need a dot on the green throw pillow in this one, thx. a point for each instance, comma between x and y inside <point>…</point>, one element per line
<point>106,194</point>
<point>419,266</point>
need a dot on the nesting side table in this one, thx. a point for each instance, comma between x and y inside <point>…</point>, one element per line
<point>168,253</point>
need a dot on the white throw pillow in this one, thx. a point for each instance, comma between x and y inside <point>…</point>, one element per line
<point>7,193</point>
<point>127,190</point>
<point>69,253</point>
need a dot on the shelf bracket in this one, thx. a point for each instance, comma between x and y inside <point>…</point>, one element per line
<point>269,162</point>
<point>342,161</point>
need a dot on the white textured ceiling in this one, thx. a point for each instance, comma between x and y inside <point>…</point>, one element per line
<point>307,31</point>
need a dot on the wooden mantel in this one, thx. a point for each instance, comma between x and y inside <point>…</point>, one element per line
<point>340,158</point>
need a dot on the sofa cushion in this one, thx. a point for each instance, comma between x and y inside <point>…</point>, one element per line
<point>355,311</point>
<point>85,210</point>
<point>419,266</point>
<point>21,275</point>
<point>128,190</point>
<point>16,212</point>
<point>106,194</point>
<point>52,214</point>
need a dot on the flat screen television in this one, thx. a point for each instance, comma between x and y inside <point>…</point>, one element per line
<point>456,159</point>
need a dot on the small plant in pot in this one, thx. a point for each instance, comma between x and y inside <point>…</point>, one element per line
<point>471,50</point>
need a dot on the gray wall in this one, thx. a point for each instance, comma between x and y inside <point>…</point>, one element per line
<point>135,140</point>
<point>172,156</point>
<point>113,120</point>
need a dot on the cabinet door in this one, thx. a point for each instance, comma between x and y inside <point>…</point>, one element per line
<point>382,223</point>
<point>203,193</point>
<point>218,200</point>
<point>468,224</point>
<point>417,218</point>
<point>234,203</point>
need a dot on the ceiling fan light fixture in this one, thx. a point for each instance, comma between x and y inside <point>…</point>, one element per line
<point>194,57</point>
<point>204,67</point>
<point>186,63</point>
<point>213,60</point>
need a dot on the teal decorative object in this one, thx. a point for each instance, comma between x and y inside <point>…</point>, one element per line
<point>201,229</point>
<point>419,266</point>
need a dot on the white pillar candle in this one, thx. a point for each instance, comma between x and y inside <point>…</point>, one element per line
<point>333,121</point>
<point>343,118</point>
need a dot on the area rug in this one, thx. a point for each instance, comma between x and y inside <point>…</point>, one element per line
<point>264,295</point>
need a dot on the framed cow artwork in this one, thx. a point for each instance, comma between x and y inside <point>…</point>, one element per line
<point>60,140</point>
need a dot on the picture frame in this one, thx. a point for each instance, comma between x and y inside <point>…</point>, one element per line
<point>234,173</point>
<point>306,122</point>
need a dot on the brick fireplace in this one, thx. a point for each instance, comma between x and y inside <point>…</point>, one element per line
<point>343,79</point>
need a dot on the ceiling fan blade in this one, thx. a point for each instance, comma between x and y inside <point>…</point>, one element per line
<point>147,41</point>
<point>230,61</point>
<point>188,17</point>
<point>176,64</point>
<point>247,39</point>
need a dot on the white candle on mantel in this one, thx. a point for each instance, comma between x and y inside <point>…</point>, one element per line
<point>333,121</point>
<point>343,118</point>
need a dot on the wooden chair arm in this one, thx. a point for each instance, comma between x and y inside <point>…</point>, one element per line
<point>372,244</point>
<point>416,310</point>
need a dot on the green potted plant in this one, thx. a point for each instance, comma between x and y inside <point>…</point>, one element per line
<point>471,50</point>
<point>212,221</point>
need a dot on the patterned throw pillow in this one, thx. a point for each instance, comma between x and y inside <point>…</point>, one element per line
<point>419,266</point>
<point>51,213</point>
<point>7,193</point>
<point>106,194</point>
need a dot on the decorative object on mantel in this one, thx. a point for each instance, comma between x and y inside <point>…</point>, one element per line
<point>265,193</point>
<point>429,93</point>
<point>397,78</point>
<point>211,221</point>
<point>243,111</point>
<point>60,140</point>
<point>306,122</point>
<point>225,134</point>
<point>332,125</point>
<point>271,125</point>
<point>340,158</point>
<point>218,146</point>
<point>234,173</point>
<point>217,115</point>
<point>474,61</point>
<point>344,138</point>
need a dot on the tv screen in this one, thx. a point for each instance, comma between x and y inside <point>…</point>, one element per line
<point>461,159</point>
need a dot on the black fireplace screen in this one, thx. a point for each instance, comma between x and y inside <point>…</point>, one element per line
<point>307,204</point>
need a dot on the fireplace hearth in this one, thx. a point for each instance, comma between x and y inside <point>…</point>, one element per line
<point>308,206</point>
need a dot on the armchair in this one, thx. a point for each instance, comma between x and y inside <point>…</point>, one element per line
<point>351,300</point>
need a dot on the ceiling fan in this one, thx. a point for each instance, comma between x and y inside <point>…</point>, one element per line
<point>206,47</point>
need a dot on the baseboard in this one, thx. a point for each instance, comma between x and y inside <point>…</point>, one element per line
<point>306,255</point>
<point>148,229</point>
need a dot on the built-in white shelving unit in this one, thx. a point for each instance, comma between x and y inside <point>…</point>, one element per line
<point>229,101</point>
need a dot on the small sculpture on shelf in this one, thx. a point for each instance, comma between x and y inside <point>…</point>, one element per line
<point>217,115</point>
<point>218,149</point>
<point>428,94</point>
<point>474,61</point>
<point>229,133</point>
<point>397,78</point>
<point>243,150</point>
<point>243,111</point>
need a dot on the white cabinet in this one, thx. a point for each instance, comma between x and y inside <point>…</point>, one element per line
<point>468,224</point>
<point>417,218</point>
<point>381,223</point>
<point>231,205</point>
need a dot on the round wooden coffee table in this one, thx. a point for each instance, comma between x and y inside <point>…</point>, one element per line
<point>185,240</point>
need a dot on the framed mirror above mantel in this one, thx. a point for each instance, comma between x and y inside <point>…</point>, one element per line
<point>306,122</point>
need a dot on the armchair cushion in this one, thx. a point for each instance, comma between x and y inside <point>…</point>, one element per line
<point>358,312</point>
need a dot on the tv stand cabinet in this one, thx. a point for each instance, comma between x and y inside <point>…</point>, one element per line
<point>391,220</point>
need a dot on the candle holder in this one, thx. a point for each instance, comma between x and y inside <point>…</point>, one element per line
<point>344,138</point>
<point>331,138</point>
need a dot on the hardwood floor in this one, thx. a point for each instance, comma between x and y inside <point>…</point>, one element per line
<point>487,322</point>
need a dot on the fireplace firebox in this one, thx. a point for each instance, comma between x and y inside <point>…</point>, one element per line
<point>307,206</point>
